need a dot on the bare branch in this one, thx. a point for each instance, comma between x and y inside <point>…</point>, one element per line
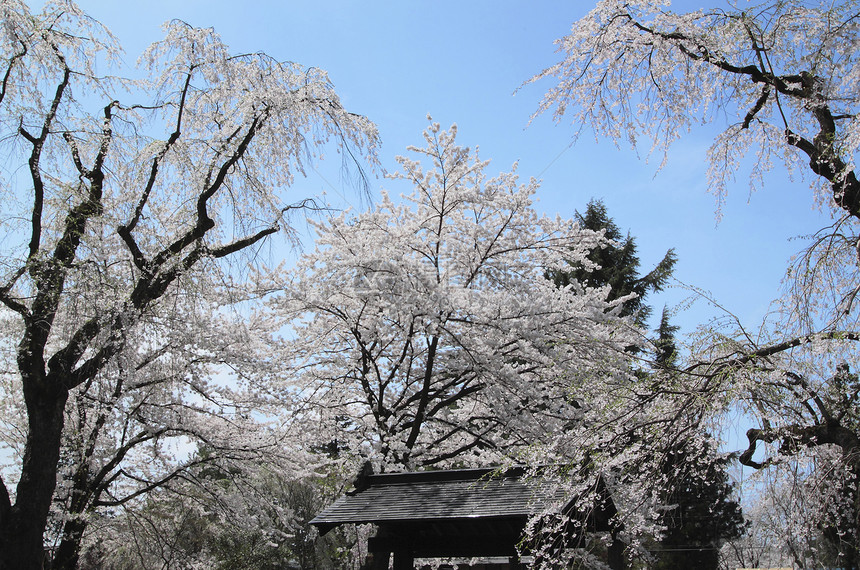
<point>10,67</point>
<point>713,368</point>
<point>34,163</point>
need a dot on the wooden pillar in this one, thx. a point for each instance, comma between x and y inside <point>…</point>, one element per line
<point>616,553</point>
<point>377,560</point>
<point>403,560</point>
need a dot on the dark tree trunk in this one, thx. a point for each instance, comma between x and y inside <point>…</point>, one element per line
<point>615,553</point>
<point>21,531</point>
<point>68,552</point>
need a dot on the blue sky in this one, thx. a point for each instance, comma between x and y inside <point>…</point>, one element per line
<point>461,62</point>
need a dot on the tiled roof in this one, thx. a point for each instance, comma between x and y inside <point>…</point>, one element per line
<point>442,496</point>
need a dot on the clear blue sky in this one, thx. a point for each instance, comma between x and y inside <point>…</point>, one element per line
<point>461,61</point>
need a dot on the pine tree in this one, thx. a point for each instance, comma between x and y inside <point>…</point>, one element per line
<point>618,265</point>
<point>665,349</point>
<point>702,511</point>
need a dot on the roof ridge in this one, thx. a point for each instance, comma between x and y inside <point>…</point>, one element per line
<point>470,474</point>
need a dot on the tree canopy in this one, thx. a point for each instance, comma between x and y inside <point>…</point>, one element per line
<point>784,76</point>
<point>127,201</point>
<point>426,331</point>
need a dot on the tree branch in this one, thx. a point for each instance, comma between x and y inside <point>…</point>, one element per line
<point>10,302</point>
<point>759,104</point>
<point>151,485</point>
<point>101,480</point>
<point>740,361</point>
<point>423,402</point>
<point>34,162</point>
<point>9,68</point>
<point>241,244</point>
<point>125,230</point>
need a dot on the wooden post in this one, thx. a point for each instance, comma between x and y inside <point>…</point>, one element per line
<point>616,552</point>
<point>403,560</point>
<point>378,560</point>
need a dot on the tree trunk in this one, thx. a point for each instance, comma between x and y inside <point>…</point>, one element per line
<point>69,551</point>
<point>615,553</point>
<point>21,542</point>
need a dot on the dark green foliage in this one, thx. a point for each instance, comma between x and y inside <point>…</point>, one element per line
<point>702,512</point>
<point>665,349</point>
<point>618,265</point>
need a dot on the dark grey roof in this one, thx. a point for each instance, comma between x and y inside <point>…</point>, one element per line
<point>442,495</point>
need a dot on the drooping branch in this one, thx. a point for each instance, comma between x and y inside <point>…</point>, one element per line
<point>34,160</point>
<point>824,159</point>
<point>735,362</point>
<point>125,230</point>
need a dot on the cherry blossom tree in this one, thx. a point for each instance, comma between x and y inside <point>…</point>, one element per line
<point>143,423</point>
<point>796,515</point>
<point>251,518</point>
<point>116,214</point>
<point>426,331</point>
<point>785,73</point>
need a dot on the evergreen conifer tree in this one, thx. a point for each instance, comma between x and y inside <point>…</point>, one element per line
<point>618,264</point>
<point>702,511</point>
<point>665,349</point>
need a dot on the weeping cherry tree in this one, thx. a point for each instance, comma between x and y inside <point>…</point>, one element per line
<point>123,201</point>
